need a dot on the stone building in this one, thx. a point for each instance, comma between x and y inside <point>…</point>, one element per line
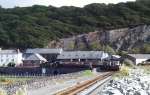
<point>48,53</point>
<point>33,60</point>
<point>82,56</point>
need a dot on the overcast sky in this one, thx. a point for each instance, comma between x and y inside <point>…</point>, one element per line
<point>57,3</point>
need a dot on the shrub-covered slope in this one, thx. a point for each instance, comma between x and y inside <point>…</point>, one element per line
<point>37,25</point>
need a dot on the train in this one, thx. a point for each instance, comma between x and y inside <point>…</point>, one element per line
<point>111,65</point>
<point>63,67</point>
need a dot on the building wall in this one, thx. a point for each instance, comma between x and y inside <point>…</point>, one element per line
<point>140,61</point>
<point>31,63</point>
<point>136,61</point>
<point>50,57</point>
<point>6,58</point>
<point>19,59</point>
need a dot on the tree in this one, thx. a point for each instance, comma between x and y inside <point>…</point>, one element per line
<point>128,62</point>
<point>110,50</point>
<point>35,26</point>
<point>11,64</point>
<point>71,45</point>
<point>96,46</point>
<point>122,53</point>
<point>146,48</point>
<point>135,50</point>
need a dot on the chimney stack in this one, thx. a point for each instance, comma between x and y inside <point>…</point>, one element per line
<point>18,51</point>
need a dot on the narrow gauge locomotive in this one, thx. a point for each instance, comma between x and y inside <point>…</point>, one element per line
<point>111,63</point>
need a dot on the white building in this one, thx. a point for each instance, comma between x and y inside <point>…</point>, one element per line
<point>7,56</point>
<point>139,58</point>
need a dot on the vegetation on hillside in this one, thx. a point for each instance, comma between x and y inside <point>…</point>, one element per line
<point>35,26</point>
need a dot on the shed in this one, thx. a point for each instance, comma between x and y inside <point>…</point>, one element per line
<point>139,58</point>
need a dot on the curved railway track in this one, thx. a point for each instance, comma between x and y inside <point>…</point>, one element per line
<point>82,86</point>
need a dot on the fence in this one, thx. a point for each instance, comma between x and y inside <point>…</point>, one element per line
<point>37,71</point>
<point>35,81</point>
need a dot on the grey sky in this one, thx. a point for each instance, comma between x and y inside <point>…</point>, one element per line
<point>57,3</point>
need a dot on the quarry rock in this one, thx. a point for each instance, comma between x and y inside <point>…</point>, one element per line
<point>119,39</point>
<point>137,83</point>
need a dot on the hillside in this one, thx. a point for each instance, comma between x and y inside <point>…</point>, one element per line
<point>36,26</point>
<point>133,40</point>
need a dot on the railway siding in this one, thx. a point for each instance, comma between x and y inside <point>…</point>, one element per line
<point>82,86</point>
<point>66,82</point>
<point>94,89</point>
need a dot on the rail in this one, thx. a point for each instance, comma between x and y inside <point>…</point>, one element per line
<point>80,87</point>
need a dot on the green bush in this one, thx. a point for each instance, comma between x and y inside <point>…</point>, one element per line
<point>11,64</point>
<point>87,73</point>
<point>109,49</point>
<point>3,79</point>
<point>35,26</point>
<point>3,92</point>
<point>128,63</point>
<point>124,71</point>
<point>21,91</point>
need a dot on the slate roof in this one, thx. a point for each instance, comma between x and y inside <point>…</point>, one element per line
<point>82,55</point>
<point>8,51</point>
<point>44,51</point>
<point>140,56</point>
<point>33,56</point>
<point>113,57</point>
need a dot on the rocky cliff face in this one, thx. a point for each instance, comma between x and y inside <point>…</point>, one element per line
<point>118,39</point>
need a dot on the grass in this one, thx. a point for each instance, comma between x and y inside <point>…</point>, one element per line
<point>20,91</point>
<point>124,72</point>
<point>87,73</point>
<point>10,80</point>
<point>3,92</point>
<point>146,68</point>
<point>7,80</point>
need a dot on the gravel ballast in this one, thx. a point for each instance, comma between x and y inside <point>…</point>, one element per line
<point>137,83</point>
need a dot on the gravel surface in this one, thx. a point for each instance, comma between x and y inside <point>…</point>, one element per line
<point>57,85</point>
<point>41,82</point>
<point>137,83</point>
<point>49,85</point>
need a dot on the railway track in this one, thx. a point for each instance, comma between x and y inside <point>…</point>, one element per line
<point>82,86</point>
